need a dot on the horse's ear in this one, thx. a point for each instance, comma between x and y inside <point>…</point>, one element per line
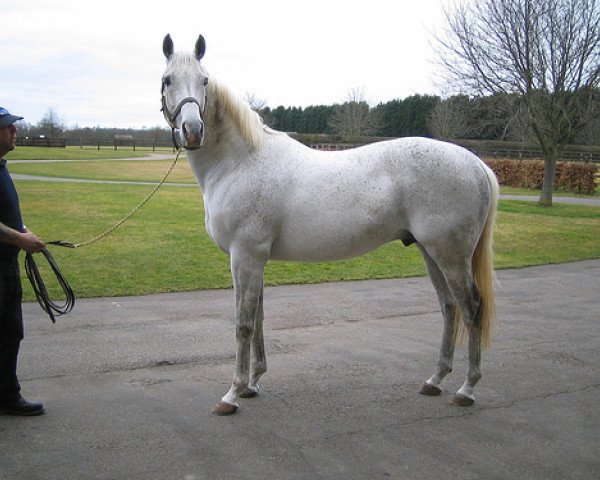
<point>168,46</point>
<point>200,47</point>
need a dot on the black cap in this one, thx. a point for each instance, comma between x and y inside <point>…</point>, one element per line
<point>7,119</point>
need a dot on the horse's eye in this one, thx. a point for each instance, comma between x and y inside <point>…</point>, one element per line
<point>206,81</point>
<point>166,81</point>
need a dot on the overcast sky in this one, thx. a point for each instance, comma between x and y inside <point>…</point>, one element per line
<point>101,62</point>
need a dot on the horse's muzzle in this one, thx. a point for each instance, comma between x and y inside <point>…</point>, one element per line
<point>193,135</point>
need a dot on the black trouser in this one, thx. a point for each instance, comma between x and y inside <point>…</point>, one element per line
<point>11,328</point>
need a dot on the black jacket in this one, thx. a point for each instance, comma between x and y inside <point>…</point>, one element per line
<point>10,211</point>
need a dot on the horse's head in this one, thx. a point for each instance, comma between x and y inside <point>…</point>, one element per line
<point>184,86</point>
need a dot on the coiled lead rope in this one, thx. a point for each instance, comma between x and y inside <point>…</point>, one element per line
<point>41,292</point>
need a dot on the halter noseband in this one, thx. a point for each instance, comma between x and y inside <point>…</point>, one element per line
<point>170,117</point>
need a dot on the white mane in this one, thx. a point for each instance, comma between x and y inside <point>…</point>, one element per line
<point>248,122</point>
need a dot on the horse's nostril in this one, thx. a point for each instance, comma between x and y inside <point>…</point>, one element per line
<point>186,133</point>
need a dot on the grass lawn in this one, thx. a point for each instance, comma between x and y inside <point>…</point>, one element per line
<point>122,170</point>
<point>76,153</point>
<point>527,234</point>
<point>164,247</point>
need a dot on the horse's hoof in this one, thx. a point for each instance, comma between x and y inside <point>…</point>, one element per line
<point>222,409</point>
<point>249,393</point>
<point>427,389</point>
<point>462,401</point>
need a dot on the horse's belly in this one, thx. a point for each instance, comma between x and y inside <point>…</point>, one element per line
<point>322,241</point>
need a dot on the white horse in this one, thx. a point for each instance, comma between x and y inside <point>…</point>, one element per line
<point>267,196</point>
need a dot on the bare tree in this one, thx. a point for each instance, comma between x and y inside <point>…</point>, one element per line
<point>545,51</point>
<point>51,124</point>
<point>353,118</point>
<point>256,103</point>
<point>590,134</point>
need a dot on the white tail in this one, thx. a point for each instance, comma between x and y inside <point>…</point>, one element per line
<point>483,272</point>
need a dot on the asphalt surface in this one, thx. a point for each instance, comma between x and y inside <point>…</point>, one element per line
<point>129,384</point>
<point>590,201</point>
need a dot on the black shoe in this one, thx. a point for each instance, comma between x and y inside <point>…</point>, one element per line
<point>22,408</point>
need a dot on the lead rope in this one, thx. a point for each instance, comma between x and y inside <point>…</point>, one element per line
<point>41,292</point>
<point>35,278</point>
<point>62,243</point>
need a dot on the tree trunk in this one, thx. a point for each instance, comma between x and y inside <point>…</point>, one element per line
<point>549,174</point>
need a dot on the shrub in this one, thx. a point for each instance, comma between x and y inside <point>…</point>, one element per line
<point>570,176</point>
<point>576,177</point>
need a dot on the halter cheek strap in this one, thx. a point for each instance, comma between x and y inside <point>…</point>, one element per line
<point>170,117</point>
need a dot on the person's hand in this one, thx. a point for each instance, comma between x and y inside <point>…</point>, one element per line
<point>29,242</point>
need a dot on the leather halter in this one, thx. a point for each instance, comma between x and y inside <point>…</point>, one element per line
<point>170,117</point>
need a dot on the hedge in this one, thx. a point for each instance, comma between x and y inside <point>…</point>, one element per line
<point>570,176</point>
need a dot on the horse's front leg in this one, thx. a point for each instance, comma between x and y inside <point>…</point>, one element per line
<point>258,362</point>
<point>247,272</point>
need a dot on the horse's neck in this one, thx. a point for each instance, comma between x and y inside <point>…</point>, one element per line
<point>224,151</point>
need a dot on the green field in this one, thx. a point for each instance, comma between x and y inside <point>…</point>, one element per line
<point>120,170</point>
<point>75,153</point>
<point>164,247</point>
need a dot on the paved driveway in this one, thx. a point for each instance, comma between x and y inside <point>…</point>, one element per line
<point>129,384</point>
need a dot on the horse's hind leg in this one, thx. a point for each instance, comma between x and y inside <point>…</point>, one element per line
<point>464,290</point>
<point>464,397</point>
<point>448,307</point>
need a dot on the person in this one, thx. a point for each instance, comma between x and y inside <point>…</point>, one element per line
<point>13,238</point>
